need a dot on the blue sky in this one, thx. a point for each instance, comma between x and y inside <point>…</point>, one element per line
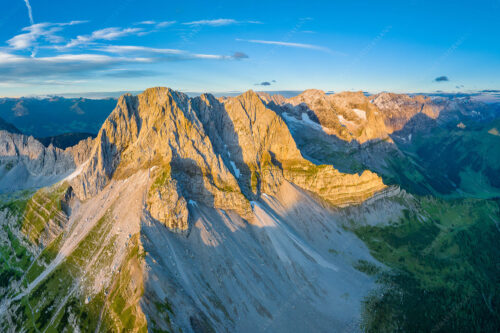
<point>50,47</point>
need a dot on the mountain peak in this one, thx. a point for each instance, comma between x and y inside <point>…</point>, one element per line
<point>220,155</point>
<point>312,93</point>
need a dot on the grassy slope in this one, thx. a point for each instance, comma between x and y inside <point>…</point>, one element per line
<point>62,299</point>
<point>455,162</point>
<point>445,269</point>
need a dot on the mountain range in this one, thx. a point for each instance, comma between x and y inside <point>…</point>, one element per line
<point>318,212</point>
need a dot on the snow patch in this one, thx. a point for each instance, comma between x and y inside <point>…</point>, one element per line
<point>360,113</point>
<point>236,170</point>
<point>345,122</point>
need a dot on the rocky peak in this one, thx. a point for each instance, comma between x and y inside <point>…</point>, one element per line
<point>27,163</point>
<point>309,95</point>
<point>347,115</point>
<point>202,150</point>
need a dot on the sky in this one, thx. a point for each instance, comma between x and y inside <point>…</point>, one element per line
<point>81,46</point>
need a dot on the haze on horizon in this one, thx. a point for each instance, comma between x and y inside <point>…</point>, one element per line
<point>104,46</point>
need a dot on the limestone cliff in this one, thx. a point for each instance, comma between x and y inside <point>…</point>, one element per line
<point>419,112</point>
<point>201,150</point>
<point>347,115</point>
<point>26,163</point>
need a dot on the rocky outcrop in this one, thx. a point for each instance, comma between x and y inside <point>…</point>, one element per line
<point>26,163</point>
<point>201,150</point>
<point>270,153</point>
<point>408,114</point>
<point>160,129</point>
<point>81,151</point>
<point>398,109</point>
<point>347,115</point>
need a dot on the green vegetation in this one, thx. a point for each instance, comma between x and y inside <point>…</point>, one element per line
<point>123,303</point>
<point>333,251</point>
<point>444,269</point>
<point>48,254</point>
<point>453,158</point>
<point>56,295</point>
<point>162,177</point>
<point>14,259</point>
<point>367,267</point>
<point>44,206</point>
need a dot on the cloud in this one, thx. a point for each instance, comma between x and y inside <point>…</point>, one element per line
<point>103,34</point>
<point>288,44</point>
<point>219,22</point>
<point>30,12</point>
<point>122,49</point>
<point>167,54</point>
<point>265,83</point>
<point>146,22</point>
<point>240,55</point>
<point>69,66</point>
<point>165,24</point>
<point>157,25</point>
<point>441,79</point>
<point>19,68</point>
<point>130,73</point>
<point>36,32</point>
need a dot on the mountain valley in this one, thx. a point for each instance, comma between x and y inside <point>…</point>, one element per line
<point>319,212</point>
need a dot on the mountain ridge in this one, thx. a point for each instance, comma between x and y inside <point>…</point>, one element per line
<point>206,214</point>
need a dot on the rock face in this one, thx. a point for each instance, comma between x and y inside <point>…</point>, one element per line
<point>398,109</point>
<point>417,113</point>
<point>222,154</point>
<point>26,163</point>
<point>347,115</point>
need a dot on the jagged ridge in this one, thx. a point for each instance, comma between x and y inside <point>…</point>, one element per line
<point>222,154</point>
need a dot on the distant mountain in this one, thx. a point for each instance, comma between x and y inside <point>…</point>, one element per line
<point>44,117</point>
<point>26,164</point>
<point>412,141</point>
<point>5,126</point>
<point>65,140</point>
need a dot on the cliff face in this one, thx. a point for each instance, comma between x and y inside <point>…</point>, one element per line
<point>201,150</point>
<point>398,109</point>
<point>347,115</point>
<point>26,163</point>
<point>420,113</point>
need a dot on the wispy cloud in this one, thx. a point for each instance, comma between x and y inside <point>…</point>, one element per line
<point>121,49</point>
<point>174,54</point>
<point>20,67</point>
<point>103,34</point>
<point>165,24</point>
<point>41,31</point>
<point>30,12</point>
<point>289,44</point>
<point>89,55</point>
<point>156,24</point>
<point>145,22</point>
<point>219,22</point>
<point>119,58</point>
